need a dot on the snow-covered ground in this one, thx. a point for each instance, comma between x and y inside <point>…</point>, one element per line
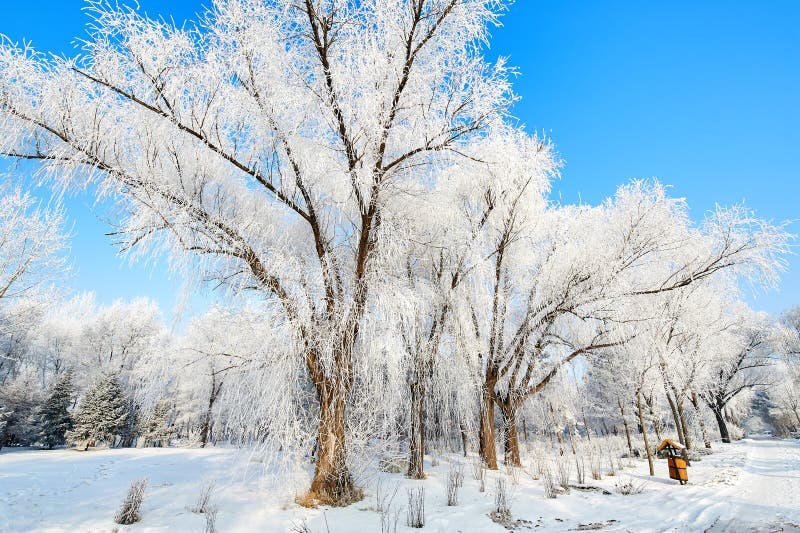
<point>751,485</point>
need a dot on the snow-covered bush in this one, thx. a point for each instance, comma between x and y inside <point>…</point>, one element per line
<point>563,472</point>
<point>629,486</point>
<point>549,485</point>
<point>392,464</point>
<point>211,520</point>
<point>384,495</point>
<point>596,464</point>
<point>389,520</point>
<point>415,511</point>
<point>501,509</point>
<point>204,501</point>
<point>454,481</point>
<point>129,510</point>
<point>580,469</point>
<point>612,463</point>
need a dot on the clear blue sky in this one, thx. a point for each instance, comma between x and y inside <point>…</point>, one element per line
<point>703,95</point>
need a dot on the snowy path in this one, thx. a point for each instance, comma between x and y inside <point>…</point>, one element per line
<point>748,486</point>
<point>766,495</point>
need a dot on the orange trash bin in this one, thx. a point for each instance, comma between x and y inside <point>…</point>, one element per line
<point>676,464</point>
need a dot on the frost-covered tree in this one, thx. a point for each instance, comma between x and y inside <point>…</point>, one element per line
<point>738,367</point>
<point>32,243</point>
<point>512,175</point>
<point>608,396</point>
<point>790,319</point>
<point>32,255</point>
<point>206,360</point>
<point>638,361</point>
<point>102,413</point>
<point>157,429</point>
<point>123,338</point>
<point>19,398</point>
<point>48,338</point>
<point>268,150</point>
<point>689,325</point>
<point>558,285</point>
<point>20,320</point>
<point>53,418</point>
<point>115,336</point>
<point>5,417</point>
<point>57,338</point>
<point>785,395</point>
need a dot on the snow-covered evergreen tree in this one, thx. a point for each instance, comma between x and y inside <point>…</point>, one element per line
<point>5,417</point>
<point>18,400</point>
<point>157,431</point>
<point>102,413</point>
<point>53,418</point>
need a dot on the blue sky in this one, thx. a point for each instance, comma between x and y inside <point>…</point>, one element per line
<point>704,96</point>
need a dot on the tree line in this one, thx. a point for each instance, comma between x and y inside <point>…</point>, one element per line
<point>351,177</point>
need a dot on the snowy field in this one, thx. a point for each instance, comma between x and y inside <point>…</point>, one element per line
<point>751,485</point>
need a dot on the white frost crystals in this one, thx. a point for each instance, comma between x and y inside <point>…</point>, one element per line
<point>349,173</point>
<point>272,148</point>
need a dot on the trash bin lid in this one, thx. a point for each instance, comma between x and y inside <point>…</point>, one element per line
<point>672,443</point>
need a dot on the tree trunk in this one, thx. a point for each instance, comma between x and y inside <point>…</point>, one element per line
<point>511,442</point>
<point>205,428</point>
<point>657,428</point>
<point>644,434</point>
<point>464,438</point>
<point>488,449</point>
<point>703,428</point>
<point>684,425</point>
<point>585,424</point>
<point>625,425</point>
<point>675,417</point>
<point>558,433</point>
<point>723,427</point>
<point>656,419</point>
<point>332,483</point>
<point>571,439</point>
<point>416,457</point>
